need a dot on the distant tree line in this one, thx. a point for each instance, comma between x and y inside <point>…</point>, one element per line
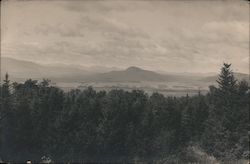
<point>37,120</point>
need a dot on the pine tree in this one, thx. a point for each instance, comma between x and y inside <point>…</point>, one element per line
<point>6,115</point>
<point>228,106</point>
<point>6,86</point>
<point>227,82</point>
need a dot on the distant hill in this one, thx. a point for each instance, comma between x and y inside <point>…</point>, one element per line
<point>131,74</point>
<point>135,74</point>
<point>207,74</point>
<point>239,76</point>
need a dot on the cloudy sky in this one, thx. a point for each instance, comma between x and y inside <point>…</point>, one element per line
<point>171,36</point>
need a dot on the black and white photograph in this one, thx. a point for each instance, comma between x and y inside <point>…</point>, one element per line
<point>125,81</point>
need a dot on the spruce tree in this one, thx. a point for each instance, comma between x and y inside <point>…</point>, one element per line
<point>6,115</point>
<point>228,107</point>
<point>227,82</point>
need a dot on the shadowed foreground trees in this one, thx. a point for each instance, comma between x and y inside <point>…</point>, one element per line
<point>41,120</point>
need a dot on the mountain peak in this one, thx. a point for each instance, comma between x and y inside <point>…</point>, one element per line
<point>133,68</point>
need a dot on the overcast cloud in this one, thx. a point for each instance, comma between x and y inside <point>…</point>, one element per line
<point>172,36</point>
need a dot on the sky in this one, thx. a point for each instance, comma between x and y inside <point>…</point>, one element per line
<point>171,36</point>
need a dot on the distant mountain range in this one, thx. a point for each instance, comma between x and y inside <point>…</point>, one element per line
<point>20,70</point>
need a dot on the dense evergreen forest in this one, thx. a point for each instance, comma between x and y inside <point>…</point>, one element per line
<point>38,119</point>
